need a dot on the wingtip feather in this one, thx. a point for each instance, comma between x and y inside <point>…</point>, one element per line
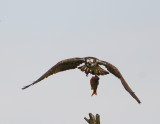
<point>26,86</point>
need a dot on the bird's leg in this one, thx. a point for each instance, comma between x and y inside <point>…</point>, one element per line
<point>96,76</point>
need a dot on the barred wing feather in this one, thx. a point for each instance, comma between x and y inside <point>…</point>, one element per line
<point>111,68</point>
<point>59,67</point>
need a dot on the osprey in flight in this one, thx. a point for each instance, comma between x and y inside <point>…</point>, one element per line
<point>92,66</point>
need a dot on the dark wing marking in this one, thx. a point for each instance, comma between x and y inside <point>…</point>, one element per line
<point>116,72</point>
<point>60,66</point>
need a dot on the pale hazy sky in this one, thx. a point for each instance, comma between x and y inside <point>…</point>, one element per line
<point>36,34</point>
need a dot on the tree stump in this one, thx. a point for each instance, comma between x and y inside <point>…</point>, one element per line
<point>93,119</point>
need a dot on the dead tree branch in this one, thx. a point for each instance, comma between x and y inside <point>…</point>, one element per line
<point>93,119</point>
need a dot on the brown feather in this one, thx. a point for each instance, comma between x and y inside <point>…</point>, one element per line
<point>60,66</point>
<point>94,71</point>
<point>111,68</point>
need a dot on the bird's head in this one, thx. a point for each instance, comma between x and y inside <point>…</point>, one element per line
<point>90,62</point>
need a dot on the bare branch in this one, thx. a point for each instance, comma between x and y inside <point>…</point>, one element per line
<point>93,119</point>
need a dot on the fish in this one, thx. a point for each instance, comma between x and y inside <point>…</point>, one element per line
<point>94,82</point>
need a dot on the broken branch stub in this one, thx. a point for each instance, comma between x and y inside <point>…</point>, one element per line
<point>93,119</point>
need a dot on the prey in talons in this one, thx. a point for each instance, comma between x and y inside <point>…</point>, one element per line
<point>94,82</point>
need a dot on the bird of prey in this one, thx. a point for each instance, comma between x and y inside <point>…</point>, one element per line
<point>90,65</point>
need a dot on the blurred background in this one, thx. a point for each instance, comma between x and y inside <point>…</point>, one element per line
<point>36,34</point>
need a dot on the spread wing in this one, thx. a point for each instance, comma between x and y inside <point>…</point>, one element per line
<point>111,68</point>
<point>60,66</point>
